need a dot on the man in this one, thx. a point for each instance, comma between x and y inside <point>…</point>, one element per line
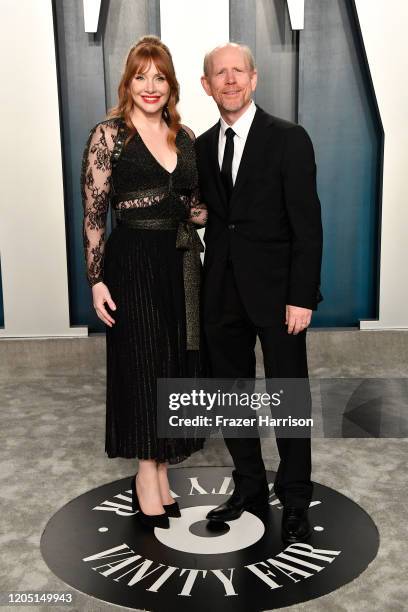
<point>262,268</point>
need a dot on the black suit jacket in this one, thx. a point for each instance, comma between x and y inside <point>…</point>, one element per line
<point>271,230</point>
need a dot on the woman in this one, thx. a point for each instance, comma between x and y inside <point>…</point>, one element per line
<point>145,278</point>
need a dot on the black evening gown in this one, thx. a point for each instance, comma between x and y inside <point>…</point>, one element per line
<point>143,271</point>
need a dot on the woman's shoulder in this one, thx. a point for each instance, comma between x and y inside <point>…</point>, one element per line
<point>106,131</point>
<point>188,131</point>
<point>109,125</point>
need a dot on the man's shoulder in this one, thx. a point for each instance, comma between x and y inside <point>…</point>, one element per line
<point>205,136</point>
<point>263,119</point>
<point>286,133</point>
<point>277,123</point>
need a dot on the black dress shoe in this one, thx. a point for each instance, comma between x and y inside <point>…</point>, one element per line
<point>148,520</point>
<point>235,506</point>
<point>172,510</point>
<point>295,525</point>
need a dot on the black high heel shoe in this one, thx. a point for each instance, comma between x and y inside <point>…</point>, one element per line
<point>148,520</point>
<point>172,510</point>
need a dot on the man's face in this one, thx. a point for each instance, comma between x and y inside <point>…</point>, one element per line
<point>230,81</point>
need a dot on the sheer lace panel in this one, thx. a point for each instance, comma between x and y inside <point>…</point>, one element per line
<point>198,210</point>
<point>107,164</point>
<point>140,199</point>
<point>95,187</point>
<point>189,131</point>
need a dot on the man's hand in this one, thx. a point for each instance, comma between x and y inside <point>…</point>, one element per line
<point>297,318</point>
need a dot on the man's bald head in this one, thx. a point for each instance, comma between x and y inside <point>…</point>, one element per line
<point>249,58</point>
<point>230,78</point>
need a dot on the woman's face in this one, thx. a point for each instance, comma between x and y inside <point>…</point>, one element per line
<point>150,90</point>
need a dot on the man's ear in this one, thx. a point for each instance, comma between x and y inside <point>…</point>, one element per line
<point>206,86</point>
<point>254,79</point>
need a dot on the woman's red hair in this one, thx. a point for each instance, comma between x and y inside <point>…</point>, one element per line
<point>149,49</point>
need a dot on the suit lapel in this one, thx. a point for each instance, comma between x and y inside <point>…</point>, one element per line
<point>250,153</point>
<point>215,168</point>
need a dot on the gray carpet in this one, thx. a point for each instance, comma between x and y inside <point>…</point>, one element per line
<point>52,450</point>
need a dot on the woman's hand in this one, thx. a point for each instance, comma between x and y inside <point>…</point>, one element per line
<point>100,294</point>
<point>198,214</point>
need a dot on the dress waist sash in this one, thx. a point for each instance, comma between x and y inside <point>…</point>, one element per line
<point>188,241</point>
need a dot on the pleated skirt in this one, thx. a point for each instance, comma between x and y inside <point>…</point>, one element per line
<point>143,271</point>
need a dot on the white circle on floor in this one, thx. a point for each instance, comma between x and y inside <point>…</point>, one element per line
<point>243,532</point>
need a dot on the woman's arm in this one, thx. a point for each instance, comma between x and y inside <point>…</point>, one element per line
<point>198,210</point>
<point>95,187</point>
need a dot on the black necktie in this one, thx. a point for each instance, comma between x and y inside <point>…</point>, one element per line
<point>226,168</point>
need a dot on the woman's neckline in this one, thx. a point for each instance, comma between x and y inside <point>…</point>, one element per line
<point>154,157</point>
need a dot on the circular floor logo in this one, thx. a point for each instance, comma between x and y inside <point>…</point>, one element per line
<point>96,545</point>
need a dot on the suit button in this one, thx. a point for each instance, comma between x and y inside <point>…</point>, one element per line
<point>231,226</point>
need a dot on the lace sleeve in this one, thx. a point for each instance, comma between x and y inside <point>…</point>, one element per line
<point>95,187</point>
<point>198,210</point>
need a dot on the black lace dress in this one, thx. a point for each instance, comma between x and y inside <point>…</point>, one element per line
<point>146,275</point>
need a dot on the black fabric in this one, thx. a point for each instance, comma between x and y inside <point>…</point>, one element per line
<point>226,167</point>
<point>271,228</point>
<point>125,174</point>
<point>143,271</point>
<point>231,344</point>
<point>263,251</point>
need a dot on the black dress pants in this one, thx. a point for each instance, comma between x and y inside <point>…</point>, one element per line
<point>231,342</point>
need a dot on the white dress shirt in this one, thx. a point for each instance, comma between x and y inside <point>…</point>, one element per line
<point>241,129</point>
